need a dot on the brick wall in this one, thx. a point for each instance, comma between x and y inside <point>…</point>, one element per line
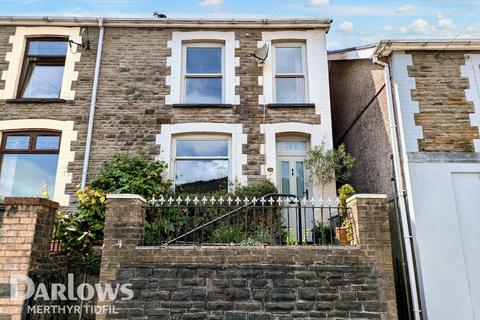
<point>444,110</point>
<point>250,282</point>
<point>24,245</point>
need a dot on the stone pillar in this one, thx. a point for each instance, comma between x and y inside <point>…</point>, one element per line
<point>124,229</point>
<point>24,246</point>
<point>371,231</point>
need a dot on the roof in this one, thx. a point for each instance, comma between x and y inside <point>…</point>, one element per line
<point>169,23</point>
<point>353,53</point>
<point>385,47</point>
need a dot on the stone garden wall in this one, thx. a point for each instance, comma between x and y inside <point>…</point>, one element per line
<point>234,282</point>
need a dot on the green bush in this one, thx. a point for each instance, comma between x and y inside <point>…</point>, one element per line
<point>323,234</point>
<point>81,230</point>
<point>255,190</point>
<point>225,233</point>
<point>127,174</point>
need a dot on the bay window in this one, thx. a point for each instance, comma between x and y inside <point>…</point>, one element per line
<point>43,67</point>
<point>28,163</point>
<point>202,163</point>
<point>289,73</point>
<point>203,74</point>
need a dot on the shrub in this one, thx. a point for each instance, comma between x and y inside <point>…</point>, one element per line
<point>127,174</point>
<point>345,192</point>
<point>82,229</point>
<point>329,165</point>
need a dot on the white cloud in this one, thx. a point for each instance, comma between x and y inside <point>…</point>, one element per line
<point>405,8</point>
<point>421,26</point>
<point>388,28</point>
<point>211,3</point>
<point>345,26</point>
<point>318,3</point>
<point>403,30</point>
<point>445,23</point>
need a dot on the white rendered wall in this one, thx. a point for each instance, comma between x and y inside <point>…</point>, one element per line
<point>445,199</point>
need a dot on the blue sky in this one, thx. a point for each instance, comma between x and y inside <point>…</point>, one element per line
<point>356,22</point>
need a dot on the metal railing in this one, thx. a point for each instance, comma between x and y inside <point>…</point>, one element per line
<point>274,219</point>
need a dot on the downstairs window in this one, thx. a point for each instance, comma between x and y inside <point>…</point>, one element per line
<point>28,163</point>
<point>202,163</point>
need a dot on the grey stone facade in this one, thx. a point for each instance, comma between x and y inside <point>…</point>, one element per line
<point>131,98</point>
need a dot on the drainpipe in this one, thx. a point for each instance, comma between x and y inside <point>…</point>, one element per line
<point>93,103</point>
<point>406,227</point>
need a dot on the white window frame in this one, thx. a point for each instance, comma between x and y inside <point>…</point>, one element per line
<point>304,74</point>
<point>201,75</point>
<point>202,137</point>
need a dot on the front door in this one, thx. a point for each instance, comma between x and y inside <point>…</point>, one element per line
<point>292,176</point>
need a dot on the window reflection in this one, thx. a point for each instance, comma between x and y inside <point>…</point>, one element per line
<point>28,175</point>
<point>203,74</point>
<point>203,90</point>
<point>48,142</point>
<point>196,148</point>
<point>44,82</point>
<point>201,165</point>
<point>200,176</point>
<point>17,142</point>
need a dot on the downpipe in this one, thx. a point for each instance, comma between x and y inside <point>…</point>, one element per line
<point>399,182</point>
<point>93,104</point>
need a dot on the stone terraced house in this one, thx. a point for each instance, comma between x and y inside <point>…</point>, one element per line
<point>207,99</point>
<point>190,93</point>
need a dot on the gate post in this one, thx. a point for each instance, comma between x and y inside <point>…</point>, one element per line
<point>25,238</point>
<point>371,231</point>
<point>124,228</point>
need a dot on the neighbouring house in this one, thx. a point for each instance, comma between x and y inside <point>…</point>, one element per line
<point>200,95</point>
<point>412,115</point>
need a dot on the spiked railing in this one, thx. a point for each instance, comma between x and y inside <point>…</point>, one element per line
<point>273,219</point>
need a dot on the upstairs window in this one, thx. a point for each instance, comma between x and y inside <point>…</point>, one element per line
<point>289,73</point>
<point>202,163</point>
<point>204,74</point>
<point>43,67</point>
<point>28,163</point>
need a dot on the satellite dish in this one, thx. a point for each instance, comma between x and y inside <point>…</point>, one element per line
<point>85,38</point>
<point>261,53</point>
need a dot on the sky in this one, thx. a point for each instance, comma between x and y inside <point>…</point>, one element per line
<point>356,22</point>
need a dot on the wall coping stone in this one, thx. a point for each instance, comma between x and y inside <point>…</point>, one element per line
<point>126,196</point>
<point>366,196</point>
<point>34,201</point>
<point>247,248</point>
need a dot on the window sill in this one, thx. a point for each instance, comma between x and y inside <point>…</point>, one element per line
<point>202,105</point>
<point>291,105</point>
<point>36,100</point>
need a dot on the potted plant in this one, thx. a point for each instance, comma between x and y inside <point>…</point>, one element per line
<point>345,231</point>
<point>328,166</point>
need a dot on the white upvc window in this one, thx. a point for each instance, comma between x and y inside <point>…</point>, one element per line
<point>203,73</point>
<point>289,72</point>
<point>201,162</point>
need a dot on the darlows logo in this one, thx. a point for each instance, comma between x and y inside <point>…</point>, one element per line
<point>62,292</point>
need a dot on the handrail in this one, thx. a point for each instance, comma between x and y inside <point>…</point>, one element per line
<point>203,226</point>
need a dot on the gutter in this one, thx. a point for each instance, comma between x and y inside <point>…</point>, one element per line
<point>93,104</point>
<point>168,23</point>
<point>399,185</point>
